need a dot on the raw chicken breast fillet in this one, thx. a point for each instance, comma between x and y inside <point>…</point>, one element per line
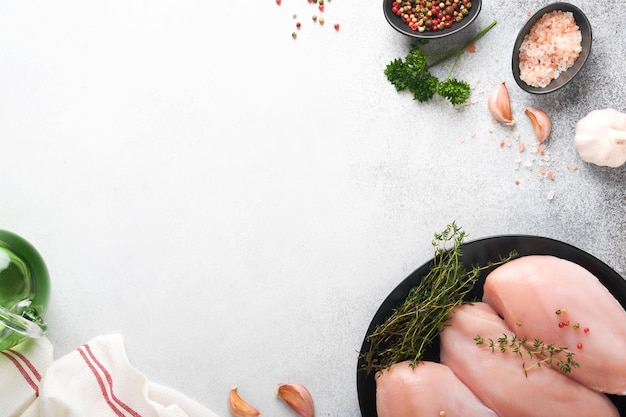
<point>530,290</point>
<point>498,378</point>
<point>429,389</point>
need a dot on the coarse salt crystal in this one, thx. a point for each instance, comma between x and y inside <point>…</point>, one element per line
<point>552,46</point>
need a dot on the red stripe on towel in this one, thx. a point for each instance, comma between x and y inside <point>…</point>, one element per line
<point>109,396</point>
<point>28,363</point>
<point>24,372</point>
<point>103,390</point>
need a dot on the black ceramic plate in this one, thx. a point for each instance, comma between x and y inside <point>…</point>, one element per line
<point>566,76</point>
<point>480,252</point>
<point>403,28</point>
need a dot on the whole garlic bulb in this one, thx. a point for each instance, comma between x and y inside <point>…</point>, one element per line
<point>601,138</point>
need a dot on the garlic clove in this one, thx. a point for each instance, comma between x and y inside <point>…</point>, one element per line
<point>238,407</point>
<point>542,124</point>
<point>499,105</point>
<point>298,398</point>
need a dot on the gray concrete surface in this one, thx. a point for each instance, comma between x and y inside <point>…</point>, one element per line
<point>237,203</point>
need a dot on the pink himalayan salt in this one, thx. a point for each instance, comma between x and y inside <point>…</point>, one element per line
<point>552,46</point>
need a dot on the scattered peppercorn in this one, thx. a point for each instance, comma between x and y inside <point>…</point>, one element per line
<point>337,27</point>
<point>586,330</point>
<point>315,18</point>
<point>579,346</point>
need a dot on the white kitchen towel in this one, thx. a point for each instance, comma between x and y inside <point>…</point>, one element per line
<point>94,380</point>
<point>21,371</point>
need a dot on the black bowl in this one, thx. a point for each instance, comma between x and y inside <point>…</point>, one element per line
<point>566,76</point>
<point>480,252</point>
<point>403,28</point>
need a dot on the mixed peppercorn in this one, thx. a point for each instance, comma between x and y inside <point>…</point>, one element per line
<point>425,16</point>
<point>320,20</point>
<point>566,323</point>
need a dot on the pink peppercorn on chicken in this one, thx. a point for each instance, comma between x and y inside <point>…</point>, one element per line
<point>506,382</point>
<point>429,389</point>
<point>558,301</point>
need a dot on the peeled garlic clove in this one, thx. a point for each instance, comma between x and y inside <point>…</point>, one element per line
<point>499,105</point>
<point>542,125</point>
<point>239,407</point>
<point>298,398</point>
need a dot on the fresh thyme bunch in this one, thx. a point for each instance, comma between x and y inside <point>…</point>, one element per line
<point>413,326</point>
<point>413,73</point>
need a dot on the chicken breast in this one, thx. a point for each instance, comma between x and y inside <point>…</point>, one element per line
<point>498,378</point>
<point>558,301</point>
<point>429,389</point>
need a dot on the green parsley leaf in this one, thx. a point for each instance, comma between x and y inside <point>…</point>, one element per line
<point>413,73</point>
<point>395,73</point>
<point>454,90</point>
<point>424,87</point>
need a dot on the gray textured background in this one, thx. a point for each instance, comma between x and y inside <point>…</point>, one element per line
<point>237,203</point>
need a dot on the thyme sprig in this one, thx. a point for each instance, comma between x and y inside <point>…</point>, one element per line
<point>544,354</point>
<point>414,325</point>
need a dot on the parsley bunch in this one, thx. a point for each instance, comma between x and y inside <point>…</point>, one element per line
<point>413,73</point>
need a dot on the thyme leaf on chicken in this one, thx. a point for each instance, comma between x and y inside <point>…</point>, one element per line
<point>415,324</point>
<point>544,354</point>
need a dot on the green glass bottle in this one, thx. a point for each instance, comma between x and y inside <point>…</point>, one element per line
<point>24,291</point>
